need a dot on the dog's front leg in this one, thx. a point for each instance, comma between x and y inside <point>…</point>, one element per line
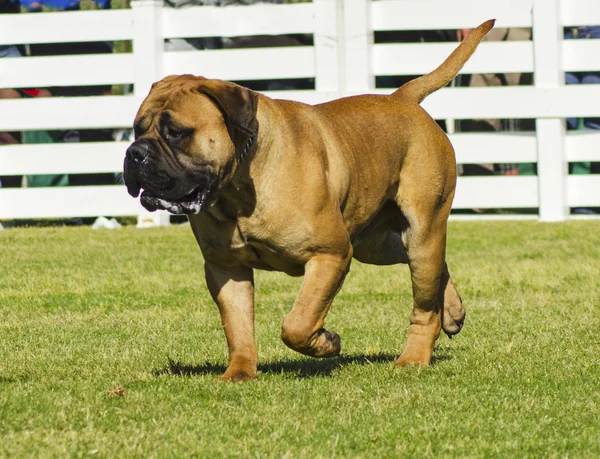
<point>302,328</point>
<point>233,291</point>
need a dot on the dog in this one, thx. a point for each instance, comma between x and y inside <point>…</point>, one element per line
<point>280,185</point>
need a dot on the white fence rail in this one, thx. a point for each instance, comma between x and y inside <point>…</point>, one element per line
<point>343,60</point>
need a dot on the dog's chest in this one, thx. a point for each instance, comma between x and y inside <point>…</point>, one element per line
<point>248,242</point>
<point>265,249</point>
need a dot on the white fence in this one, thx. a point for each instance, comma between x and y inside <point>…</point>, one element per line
<point>343,60</point>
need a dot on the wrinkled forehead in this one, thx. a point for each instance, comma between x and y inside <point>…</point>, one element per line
<point>176,100</point>
<point>165,90</point>
<point>172,82</point>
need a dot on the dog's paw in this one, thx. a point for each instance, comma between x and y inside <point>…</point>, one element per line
<point>418,349</point>
<point>453,319</point>
<point>453,314</point>
<point>323,345</point>
<point>297,336</point>
<point>418,359</point>
<point>328,344</point>
<point>239,370</point>
<point>237,376</point>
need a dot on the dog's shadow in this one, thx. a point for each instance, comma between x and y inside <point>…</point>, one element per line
<point>305,368</point>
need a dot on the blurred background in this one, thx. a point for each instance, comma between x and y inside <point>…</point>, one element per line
<point>524,115</point>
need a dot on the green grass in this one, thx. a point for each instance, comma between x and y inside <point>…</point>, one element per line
<point>110,346</point>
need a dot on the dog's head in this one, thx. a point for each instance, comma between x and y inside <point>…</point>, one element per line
<point>190,133</point>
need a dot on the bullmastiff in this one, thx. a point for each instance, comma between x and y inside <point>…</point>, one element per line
<point>280,185</point>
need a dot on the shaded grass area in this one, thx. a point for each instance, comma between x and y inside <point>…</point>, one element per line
<point>110,345</point>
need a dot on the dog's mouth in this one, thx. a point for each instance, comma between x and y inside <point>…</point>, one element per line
<point>191,203</point>
<point>182,193</point>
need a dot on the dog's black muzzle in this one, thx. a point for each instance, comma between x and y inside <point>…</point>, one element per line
<point>178,192</point>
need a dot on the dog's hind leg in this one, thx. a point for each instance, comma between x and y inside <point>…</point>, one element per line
<point>383,245</point>
<point>426,211</point>
<point>426,247</point>
<point>453,316</point>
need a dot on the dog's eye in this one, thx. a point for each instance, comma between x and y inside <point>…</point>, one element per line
<point>173,134</point>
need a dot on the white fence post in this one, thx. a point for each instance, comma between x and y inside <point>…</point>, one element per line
<point>552,165</point>
<point>328,43</point>
<point>147,44</point>
<point>148,60</point>
<point>358,43</point>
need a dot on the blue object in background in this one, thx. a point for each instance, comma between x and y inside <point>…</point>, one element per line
<point>64,5</point>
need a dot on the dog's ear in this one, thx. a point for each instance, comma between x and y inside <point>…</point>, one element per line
<point>238,106</point>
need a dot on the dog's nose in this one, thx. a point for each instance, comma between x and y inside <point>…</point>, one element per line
<point>138,152</point>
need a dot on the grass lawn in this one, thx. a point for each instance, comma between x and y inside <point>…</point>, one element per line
<point>110,346</point>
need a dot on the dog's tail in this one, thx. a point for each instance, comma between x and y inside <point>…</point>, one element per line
<point>416,90</point>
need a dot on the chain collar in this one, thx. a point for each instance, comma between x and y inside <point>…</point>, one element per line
<point>247,148</point>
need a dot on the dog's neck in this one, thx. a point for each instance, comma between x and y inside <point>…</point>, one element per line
<point>238,197</point>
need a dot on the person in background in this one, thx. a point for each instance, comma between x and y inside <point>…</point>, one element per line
<point>256,41</point>
<point>9,51</point>
<point>588,77</point>
<point>190,44</point>
<point>9,7</point>
<point>578,33</point>
<point>72,135</point>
